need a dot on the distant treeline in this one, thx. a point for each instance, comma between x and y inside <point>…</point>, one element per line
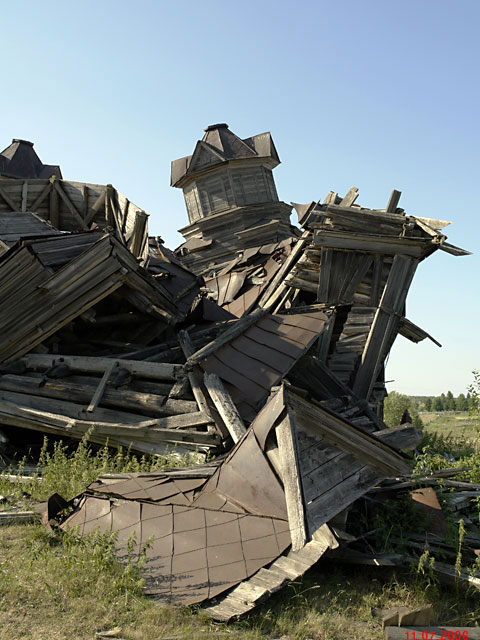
<point>443,402</point>
<point>397,404</point>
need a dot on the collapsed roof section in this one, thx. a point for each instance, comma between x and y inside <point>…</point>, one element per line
<point>19,160</point>
<point>76,206</point>
<point>253,340</point>
<point>211,526</point>
<point>220,145</point>
<point>47,282</point>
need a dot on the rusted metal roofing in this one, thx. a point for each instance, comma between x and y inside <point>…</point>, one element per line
<point>258,359</point>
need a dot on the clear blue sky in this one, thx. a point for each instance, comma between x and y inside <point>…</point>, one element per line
<point>375,94</point>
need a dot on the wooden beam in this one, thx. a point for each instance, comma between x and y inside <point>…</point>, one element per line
<point>24,195</point>
<point>291,483</point>
<point>109,217</point>
<point>70,206</point>
<point>7,199</point>
<point>99,391</point>
<point>42,196</point>
<point>91,364</point>
<point>350,197</point>
<point>54,209</point>
<point>138,235</point>
<point>85,201</point>
<point>387,320</point>
<point>393,201</point>
<point>225,406</point>
<point>188,348</point>
<point>275,288</point>
<point>97,205</point>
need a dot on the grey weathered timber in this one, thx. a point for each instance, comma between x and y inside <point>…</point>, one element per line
<point>266,581</point>
<point>188,350</point>
<point>100,390</point>
<point>393,201</point>
<point>7,199</point>
<point>17,517</point>
<point>350,197</point>
<point>291,483</point>
<point>385,324</point>
<point>86,364</point>
<point>403,438</point>
<point>274,289</point>
<point>417,248</point>
<point>224,405</point>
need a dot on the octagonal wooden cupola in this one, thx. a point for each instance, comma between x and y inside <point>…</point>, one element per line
<point>229,192</point>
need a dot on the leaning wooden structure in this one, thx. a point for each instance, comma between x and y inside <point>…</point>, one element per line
<point>257,342</point>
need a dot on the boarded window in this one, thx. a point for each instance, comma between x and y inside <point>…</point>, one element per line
<point>213,193</point>
<point>190,194</point>
<point>252,186</point>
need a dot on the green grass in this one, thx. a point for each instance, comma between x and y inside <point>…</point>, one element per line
<point>69,472</point>
<point>456,424</point>
<point>62,588</point>
<point>57,586</point>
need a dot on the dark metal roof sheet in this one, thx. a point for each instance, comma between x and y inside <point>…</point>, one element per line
<point>219,145</point>
<point>258,359</point>
<point>19,160</point>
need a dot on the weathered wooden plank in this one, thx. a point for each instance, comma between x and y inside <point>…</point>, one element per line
<point>24,195</point>
<point>54,209</point>
<point>275,288</point>
<point>325,507</point>
<point>346,437</point>
<point>8,200</point>
<point>90,364</point>
<point>73,211</point>
<point>373,244</point>
<point>80,389</point>
<point>324,279</point>
<point>291,483</point>
<point>100,390</point>
<point>393,201</point>
<point>188,349</point>
<point>225,406</point>
<point>17,517</point>
<point>386,321</point>
<point>350,197</point>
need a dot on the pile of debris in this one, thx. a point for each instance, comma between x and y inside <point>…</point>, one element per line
<point>262,346</point>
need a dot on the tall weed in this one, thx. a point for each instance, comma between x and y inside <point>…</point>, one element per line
<point>61,470</point>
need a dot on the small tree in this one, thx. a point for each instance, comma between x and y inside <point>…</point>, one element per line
<point>449,402</point>
<point>443,399</point>
<point>474,393</point>
<point>428,404</point>
<point>438,404</point>
<point>461,403</point>
<point>395,406</point>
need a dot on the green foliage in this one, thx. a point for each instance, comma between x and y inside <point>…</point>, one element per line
<point>474,393</point>
<point>449,402</point>
<point>89,559</point>
<point>68,473</point>
<point>461,403</point>
<point>395,406</point>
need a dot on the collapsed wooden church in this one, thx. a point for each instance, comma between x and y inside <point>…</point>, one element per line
<point>258,342</point>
